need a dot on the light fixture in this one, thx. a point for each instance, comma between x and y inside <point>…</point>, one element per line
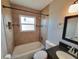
<point>74,7</point>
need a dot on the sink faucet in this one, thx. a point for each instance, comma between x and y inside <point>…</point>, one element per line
<point>73,51</point>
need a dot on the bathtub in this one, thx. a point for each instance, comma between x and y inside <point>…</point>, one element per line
<point>26,51</point>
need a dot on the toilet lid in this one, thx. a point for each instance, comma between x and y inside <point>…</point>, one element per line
<point>40,55</point>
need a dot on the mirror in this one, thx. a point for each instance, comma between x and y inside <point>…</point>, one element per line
<point>70,32</point>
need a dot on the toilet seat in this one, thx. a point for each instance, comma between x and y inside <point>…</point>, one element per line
<point>40,55</point>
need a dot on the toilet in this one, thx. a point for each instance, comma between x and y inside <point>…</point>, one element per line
<point>40,55</point>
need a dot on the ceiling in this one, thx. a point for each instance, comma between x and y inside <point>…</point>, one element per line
<point>34,4</point>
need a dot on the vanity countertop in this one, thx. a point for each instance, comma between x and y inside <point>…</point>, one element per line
<point>52,52</point>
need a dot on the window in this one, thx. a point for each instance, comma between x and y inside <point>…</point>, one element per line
<point>27,23</point>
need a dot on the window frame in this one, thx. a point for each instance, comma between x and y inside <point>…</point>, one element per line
<point>29,24</point>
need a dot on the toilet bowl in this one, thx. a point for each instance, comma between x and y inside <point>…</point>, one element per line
<point>40,55</point>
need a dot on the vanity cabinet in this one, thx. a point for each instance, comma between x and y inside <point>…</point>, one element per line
<point>61,47</point>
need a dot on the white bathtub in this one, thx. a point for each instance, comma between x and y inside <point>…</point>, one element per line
<point>26,51</point>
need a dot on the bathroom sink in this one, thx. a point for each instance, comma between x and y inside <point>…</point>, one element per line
<point>64,55</point>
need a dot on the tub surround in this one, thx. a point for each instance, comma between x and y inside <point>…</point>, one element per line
<point>61,47</point>
<point>24,37</point>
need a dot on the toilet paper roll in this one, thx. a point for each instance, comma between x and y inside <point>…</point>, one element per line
<point>8,56</point>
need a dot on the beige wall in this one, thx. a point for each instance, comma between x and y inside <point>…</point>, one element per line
<point>8,32</point>
<point>24,37</point>
<point>5,2</point>
<point>58,9</point>
<point>45,10</point>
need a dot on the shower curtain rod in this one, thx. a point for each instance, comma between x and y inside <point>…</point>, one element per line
<point>23,10</point>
